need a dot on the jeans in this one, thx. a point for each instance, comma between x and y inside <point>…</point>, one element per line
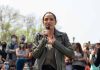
<point>77,67</point>
<point>20,63</point>
<point>47,67</point>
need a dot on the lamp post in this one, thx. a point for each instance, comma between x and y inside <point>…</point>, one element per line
<point>73,39</point>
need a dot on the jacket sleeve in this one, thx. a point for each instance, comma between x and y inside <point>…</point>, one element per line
<point>64,48</point>
<point>97,61</point>
<point>39,46</point>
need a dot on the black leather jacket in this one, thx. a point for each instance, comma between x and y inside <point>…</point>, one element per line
<point>62,47</point>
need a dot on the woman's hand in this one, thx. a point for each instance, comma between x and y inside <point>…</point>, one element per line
<point>30,55</point>
<point>50,36</point>
<point>51,40</point>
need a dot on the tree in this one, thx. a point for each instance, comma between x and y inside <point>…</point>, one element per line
<point>30,27</point>
<point>8,17</point>
<point>12,22</point>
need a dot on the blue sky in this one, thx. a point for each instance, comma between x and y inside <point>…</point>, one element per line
<point>78,18</point>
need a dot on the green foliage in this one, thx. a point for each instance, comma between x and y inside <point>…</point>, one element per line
<point>11,22</point>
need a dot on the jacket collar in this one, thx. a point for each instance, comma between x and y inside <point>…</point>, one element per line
<point>57,33</point>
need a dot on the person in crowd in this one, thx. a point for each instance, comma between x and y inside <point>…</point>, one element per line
<point>1,62</point>
<point>22,56</point>
<point>97,61</point>
<point>93,57</point>
<point>86,51</point>
<point>51,45</point>
<point>0,48</point>
<point>6,66</point>
<point>22,39</point>
<point>79,62</point>
<point>4,54</point>
<point>68,63</point>
<point>11,50</point>
<point>31,61</point>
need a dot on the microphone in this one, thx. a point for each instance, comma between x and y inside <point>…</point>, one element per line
<point>45,33</point>
<point>48,27</point>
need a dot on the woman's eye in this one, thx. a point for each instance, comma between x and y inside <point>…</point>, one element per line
<point>46,19</point>
<point>51,19</point>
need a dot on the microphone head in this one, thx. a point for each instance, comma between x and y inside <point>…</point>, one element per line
<point>48,27</point>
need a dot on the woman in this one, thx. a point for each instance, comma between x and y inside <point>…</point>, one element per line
<point>93,57</point>
<point>68,62</point>
<point>51,45</point>
<point>22,56</point>
<point>79,61</point>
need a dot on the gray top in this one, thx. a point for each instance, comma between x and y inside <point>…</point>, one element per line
<point>23,52</point>
<point>78,62</point>
<point>50,56</point>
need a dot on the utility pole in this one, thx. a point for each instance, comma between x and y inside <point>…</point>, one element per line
<point>73,39</point>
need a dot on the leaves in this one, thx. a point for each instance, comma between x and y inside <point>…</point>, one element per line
<point>11,22</point>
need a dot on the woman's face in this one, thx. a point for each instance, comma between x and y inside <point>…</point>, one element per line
<point>49,21</point>
<point>22,45</point>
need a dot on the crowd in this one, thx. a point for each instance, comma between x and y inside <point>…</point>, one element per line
<point>14,55</point>
<point>85,57</point>
<point>51,50</point>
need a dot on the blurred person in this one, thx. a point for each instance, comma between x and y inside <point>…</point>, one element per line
<point>31,61</point>
<point>4,54</point>
<point>97,61</point>
<point>22,39</point>
<point>68,63</point>
<point>22,56</point>
<point>0,48</point>
<point>93,57</point>
<point>11,50</point>
<point>79,62</point>
<point>1,62</point>
<point>86,51</point>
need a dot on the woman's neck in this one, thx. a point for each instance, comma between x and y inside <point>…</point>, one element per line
<point>51,32</point>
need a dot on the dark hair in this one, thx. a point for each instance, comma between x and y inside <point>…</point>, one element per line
<point>50,13</point>
<point>25,45</point>
<point>23,37</point>
<point>4,44</point>
<point>13,36</point>
<point>78,46</point>
<point>97,43</point>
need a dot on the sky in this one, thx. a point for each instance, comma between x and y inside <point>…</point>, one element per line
<point>78,18</point>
